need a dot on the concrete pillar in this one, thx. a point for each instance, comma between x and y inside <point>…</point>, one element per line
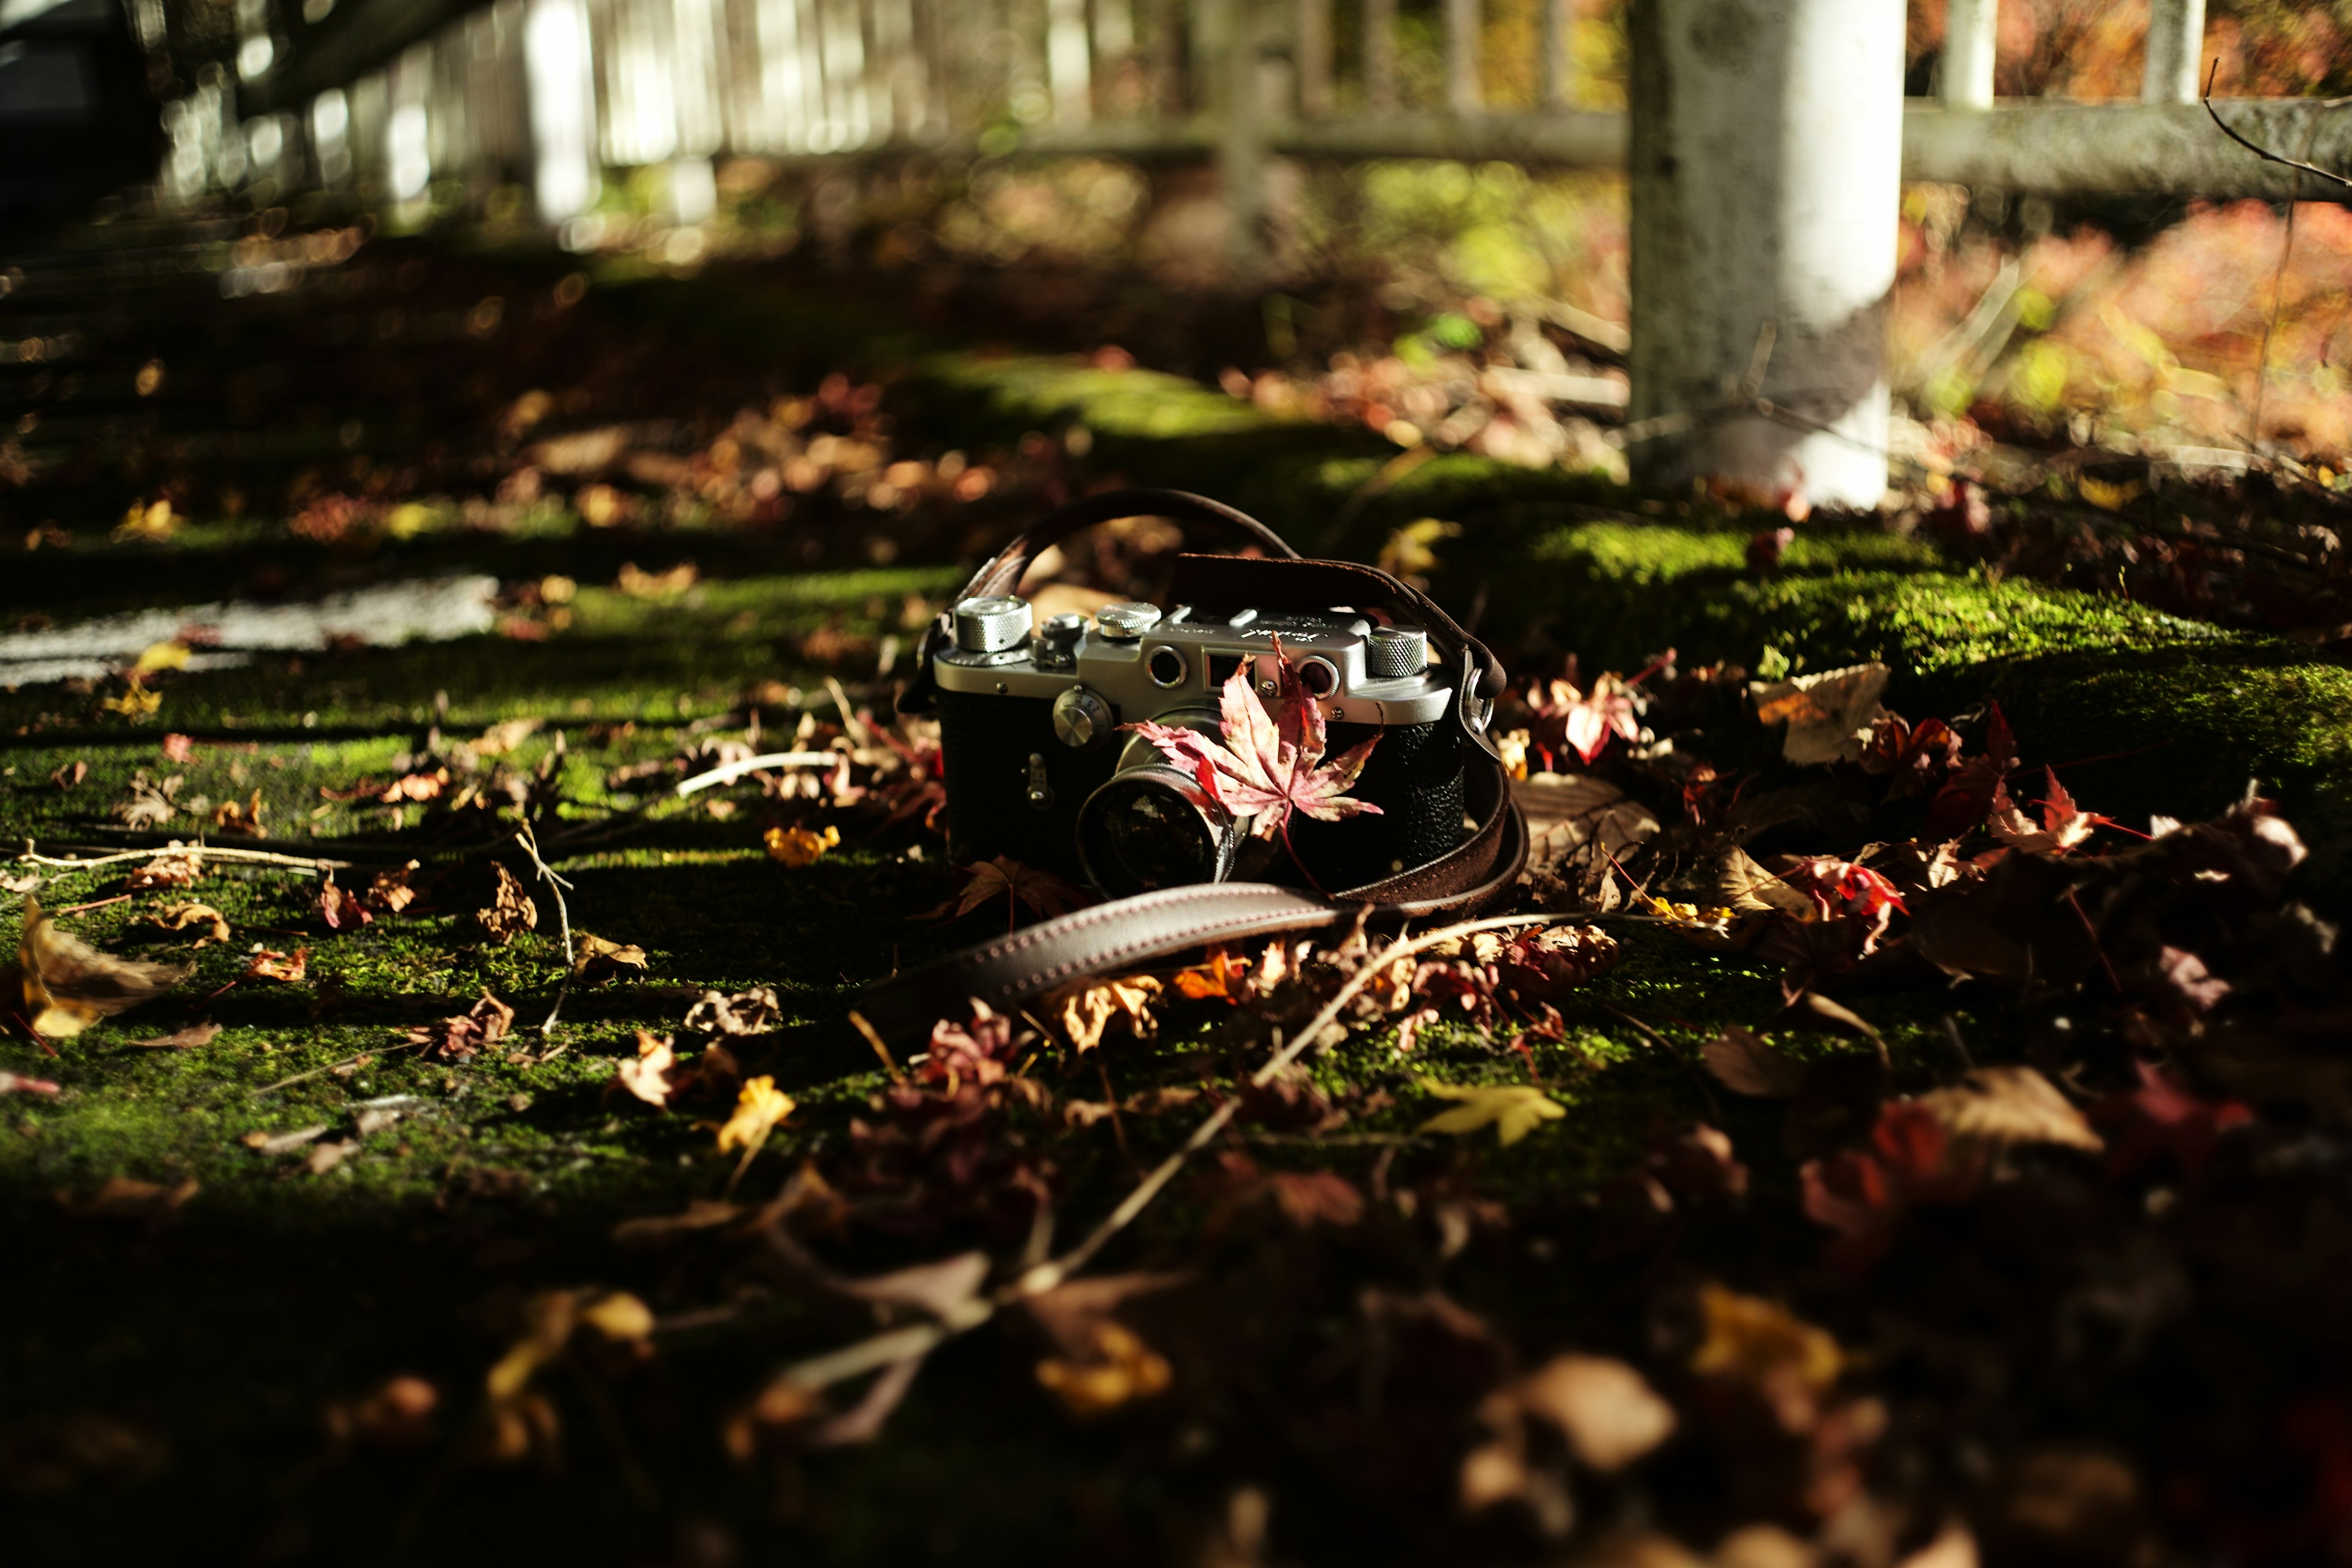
<point>1765,168</point>
<point>1969,29</point>
<point>2176,47</point>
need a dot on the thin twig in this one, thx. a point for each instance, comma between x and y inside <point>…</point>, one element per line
<point>889,1064</point>
<point>851,724</point>
<point>332,1066</point>
<point>1118,1126</point>
<point>733,770</point>
<point>199,849</point>
<point>2264,154</point>
<point>2270,327</point>
<point>555,885</point>
<point>921,1339</point>
<point>1705,1089</point>
<point>94,904</point>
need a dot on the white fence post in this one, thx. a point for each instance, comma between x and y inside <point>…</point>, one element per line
<point>1380,55</point>
<point>1765,164</point>
<point>1313,54</point>
<point>1559,76</point>
<point>2175,41</point>
<point>1970,30</point>
<point>1462,94</point>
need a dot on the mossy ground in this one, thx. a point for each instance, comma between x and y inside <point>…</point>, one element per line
<point>273,1291</point>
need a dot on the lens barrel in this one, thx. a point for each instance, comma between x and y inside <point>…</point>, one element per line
<point>1151,826</point>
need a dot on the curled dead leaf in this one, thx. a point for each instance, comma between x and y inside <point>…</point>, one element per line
<point>180,916</point>
<point>511,911</point>
<point>288,968</point>
<point>596,959</point>
<point>752,1012</point>
<point>1086,1009</point>
<point>339,907</point>
<point>470,1034</point>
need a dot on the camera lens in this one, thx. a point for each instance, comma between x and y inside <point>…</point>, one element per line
<point>1151,827</point>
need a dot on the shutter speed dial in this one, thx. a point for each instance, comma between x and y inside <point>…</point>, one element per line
<point>1082,719</point>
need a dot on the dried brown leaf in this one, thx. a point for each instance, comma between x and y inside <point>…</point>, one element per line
<point>511,911</point>
<point>186,1040</point>
<point>1608,1411</point>
<point>69,985</point>
<point>1743,1063</point>
<point>288,968</point>
<point>470,1034</point>
<point>181,915</point>
<point>1829,714</point>
<point>752,1012</point>
<point>598,959</point>
<point>2011,1105</point>
<point>1086,1009</point>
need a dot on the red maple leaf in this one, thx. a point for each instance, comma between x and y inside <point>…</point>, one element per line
<point>1021,887</point>
<point>1582,721</point>
<point>2162,1116</point>
<point>1269,766</point>
<point>1967,795</point>
<point>1841,888</point>
<point>2065,825</point>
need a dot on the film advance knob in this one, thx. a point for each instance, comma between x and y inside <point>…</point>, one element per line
<point>1396,653</point>
<point>1126,623</point>
<point>992,625</point>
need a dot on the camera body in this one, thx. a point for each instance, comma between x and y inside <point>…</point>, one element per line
<point>1037,769</point>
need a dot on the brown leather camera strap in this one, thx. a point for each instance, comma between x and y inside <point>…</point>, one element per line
<point>1471,878</point>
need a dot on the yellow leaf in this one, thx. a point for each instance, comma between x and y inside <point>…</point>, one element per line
<point>757,1111</point>
<point>161,656</point>
<point>154,522</point>
<point>136,701</point>
<point>798,846</point>
<point>1124,1369</point>
<point>619,1315</point>
<point>1758,1343</point>
<point>2104,496</point>
<point>1513,1110</point>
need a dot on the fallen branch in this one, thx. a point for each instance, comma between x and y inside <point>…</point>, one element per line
<point>903,1345</point>
<point>200,849</point>
<point>731,771</point>
<point>555,885</point>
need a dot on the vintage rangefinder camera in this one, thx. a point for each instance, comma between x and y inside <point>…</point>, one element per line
<point>1038,766</point>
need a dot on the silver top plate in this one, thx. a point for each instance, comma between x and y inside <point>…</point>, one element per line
<point>1186,657</point>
